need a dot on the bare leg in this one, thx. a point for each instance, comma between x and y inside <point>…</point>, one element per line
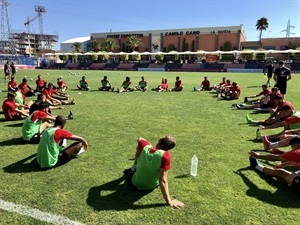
<point>281,173</point>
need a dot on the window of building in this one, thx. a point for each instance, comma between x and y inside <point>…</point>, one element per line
<point>269,47</point>
<point>283,47</point>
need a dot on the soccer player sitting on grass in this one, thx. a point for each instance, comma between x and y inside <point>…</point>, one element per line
<point>40,84</point>
<point>288,157</point>
<point>10,110</point>
<point>36,123</point>
<point>178,85</point>
<point>290,123</point>
<point>83,84</point>
<point>204,86</point>
<point>12,84</point>
<point>277,116</point>
<point>61,84</point>
<point>265,104</point>
<point>164,86</point>
<point>106,85</point>
<point>27,91</point>
<point>51,152</point>
<point>143,85</point>
<point>59,99</point>
<point>151,165</point>
<point>125,85</point>
<point>233,92</point>
<point>42,98</point>
<point>291,178</point>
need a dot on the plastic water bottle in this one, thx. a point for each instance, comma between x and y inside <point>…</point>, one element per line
<point>194,166</point>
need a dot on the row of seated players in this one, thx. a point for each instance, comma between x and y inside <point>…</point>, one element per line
<point>226,89</point>
<point>282,114</point>
<point>55,95</point>
<point>127,85</point>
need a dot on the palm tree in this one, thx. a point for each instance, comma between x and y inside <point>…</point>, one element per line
<point>110,44</point>
<point>262,24</point>
<point>133,41</point>
<point>76,46</point>
<point>96,46</point>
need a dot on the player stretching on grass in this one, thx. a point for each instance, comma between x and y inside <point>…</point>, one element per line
<point>151,165</point>
<point>51,152</point>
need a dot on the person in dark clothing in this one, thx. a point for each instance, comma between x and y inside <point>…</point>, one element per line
<point>282,74</point>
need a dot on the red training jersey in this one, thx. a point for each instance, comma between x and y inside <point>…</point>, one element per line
<point>9,109</point>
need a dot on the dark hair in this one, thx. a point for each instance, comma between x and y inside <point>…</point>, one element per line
<point>105,77</point>
<point>127,78</point>
<point>285,107</point>
<point>60,121</point>
<point>177,77</point>
<point>274,89</point>
<point>234,83</point>
<point>295,140</point>
<point>40,97</point>
<point>24,80</point>
<point>11,94</point>
<point>281,62</point>
<point>277,97</point>
<point>168,142</point>
<point>43,105</point>
<point>264,86</point>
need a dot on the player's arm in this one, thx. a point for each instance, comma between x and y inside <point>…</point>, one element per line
<point>81,139</point>
<point>164,187</point>
<point>289,76</point>
<point>21,112</point>
<point>274,76</point>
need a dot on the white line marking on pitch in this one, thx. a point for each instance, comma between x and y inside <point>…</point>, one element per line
<point>37,214</point>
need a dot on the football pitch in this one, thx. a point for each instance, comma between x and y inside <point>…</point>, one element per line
<point>91,188</point>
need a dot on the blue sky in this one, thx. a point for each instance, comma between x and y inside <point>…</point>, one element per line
<point>78,18</point>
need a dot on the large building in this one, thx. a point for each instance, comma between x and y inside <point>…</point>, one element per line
<point>30,44</point>
<point>185,39</point>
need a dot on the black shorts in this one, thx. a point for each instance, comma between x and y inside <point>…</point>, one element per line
<point>265,106</point>
<point>282,88</point>
<point>17,117</point>
<point>34,140</point>
<point>269,75</point>
<point>295,187</point>
<point>63,158</point>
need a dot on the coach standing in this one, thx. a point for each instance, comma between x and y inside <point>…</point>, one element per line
<point>281,75</point>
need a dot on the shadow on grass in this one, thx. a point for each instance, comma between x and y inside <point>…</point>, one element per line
<point>183,176</point>
<point>14,141</point>
<point>15,125</point>
<point>282,197</point>
<point>23,166</point>
<point>255,86</point>
<point>122,196</point>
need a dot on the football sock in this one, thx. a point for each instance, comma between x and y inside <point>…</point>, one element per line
<point>255,165</point>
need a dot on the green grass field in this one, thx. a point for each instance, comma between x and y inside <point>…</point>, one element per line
<point>91,188</point>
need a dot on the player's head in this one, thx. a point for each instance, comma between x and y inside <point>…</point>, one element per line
<point>12,78</point>
<point>60,121</point>
<point>295,143</point>
<point>142,78</point>
<point>50,85</point>
<point>11,95</point>
<point>105,77</point>
<point>274,90</point>
<point>39,76</point>
<point>177,78</point>
<point>286,111</point>
<point>264,86</point>
<point>43,106</point>
<point>205,78</point>
<point>127,78</point>
<point>278,99</point>
<point>281,63</point>
<point>166,143</point>
<point>24,80</point>
<point>234,84</point>
<point>41,98</point>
